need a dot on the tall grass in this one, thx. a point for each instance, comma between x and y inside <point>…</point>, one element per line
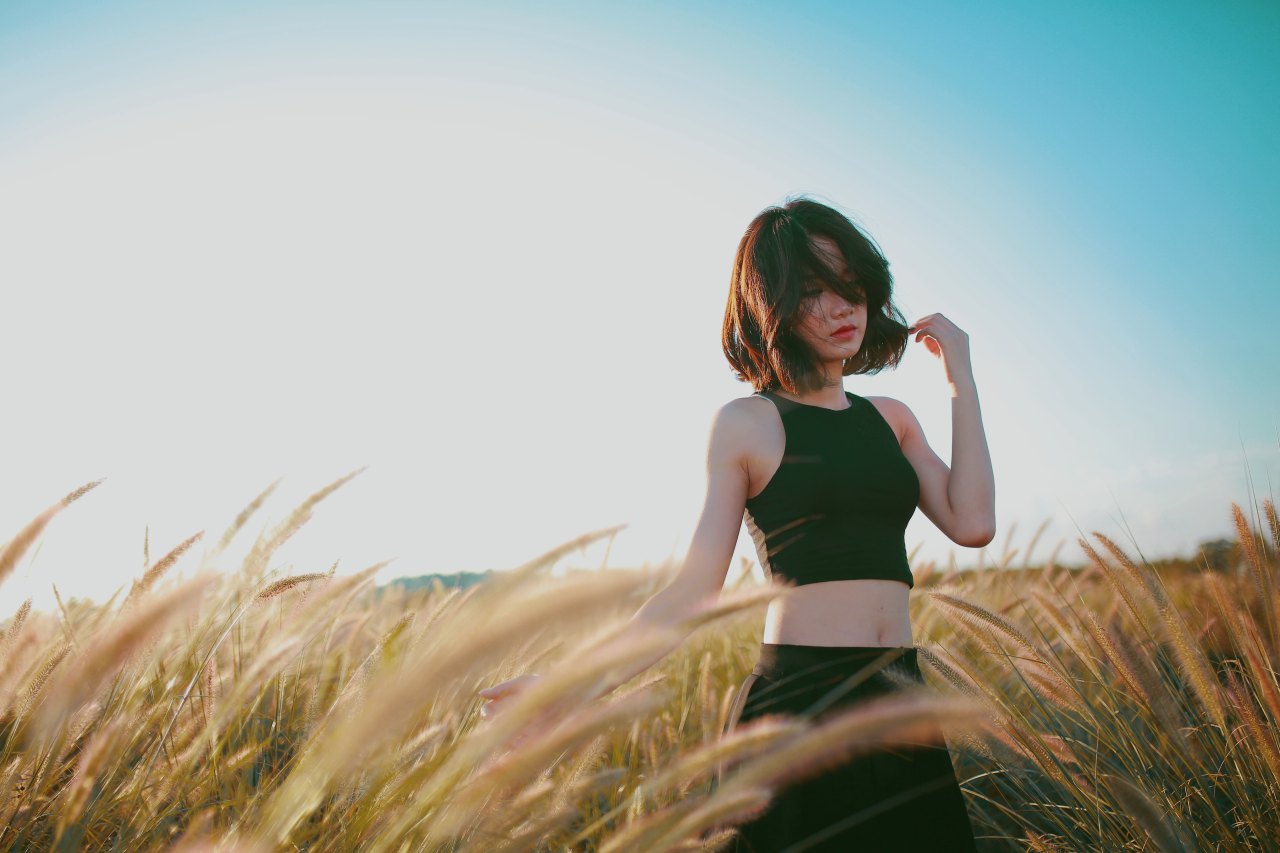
<point>244,710</point>
<point>1100,708</point>
<point>1133,709</point>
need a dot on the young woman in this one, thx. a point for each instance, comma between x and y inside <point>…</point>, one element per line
<point>826,481</point>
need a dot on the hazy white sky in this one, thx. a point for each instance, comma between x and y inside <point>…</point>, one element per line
<point>485,250</point>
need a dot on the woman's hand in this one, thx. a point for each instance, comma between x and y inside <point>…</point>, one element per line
<point>948,342</point>
<point>499,693</point>
<point>537,725</point>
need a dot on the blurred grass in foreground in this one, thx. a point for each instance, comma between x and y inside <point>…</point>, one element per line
<point>1104,708</point>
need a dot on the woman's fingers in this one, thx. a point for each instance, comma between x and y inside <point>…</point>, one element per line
<point>502,692</point>
<point>505,687</point>
<point>935,326</point>
<point>491,707</point>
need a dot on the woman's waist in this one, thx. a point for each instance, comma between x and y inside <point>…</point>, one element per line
<point>841,613</point>
<point>784,659</point>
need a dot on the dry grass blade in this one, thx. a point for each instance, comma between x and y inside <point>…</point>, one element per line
<point>685,819</point>
<point>728,604</point>
<point>909,715</point>
<point>1056,615</point>
<point>283,585</point>
<point>749,739</point>
<point>1035,537</point>
<point>339,586</point>
<point>550,557</point>
<point>156,572</point>
<point>397,699</point>
<point>978,615</point>
<point>522,765</point>
<point>1264,677</point>
<point>15,625</point>
<point>1134,802</point>
<point>1008,552</point>
<point>198,843</point>
<point>262,550</point>
<point>1029,744</point>
<point>1195,666</point>
<point>718,756</point>
<point>1120,583</point>
<point>1142,575</point>
<point>39,680</point>
<point>1248,541</point>
<point>210,688</point>
<point>13,551</point>
<point>1167,710</point>
<point>1231,618</point>
<point>1038,668</point>
<point>67,627</point>
<point>76,495</point>
<point>957,679</point>
<point>112,649</point>
<point>526,822</point>
<point>1037,843</point>
<point>245,514</point>
<point>1119,661</point>
<point>644,832</point>
<point>1262,736</point>
<point>13,663</point>
<point>88,767</point>
<point>1259,571</point>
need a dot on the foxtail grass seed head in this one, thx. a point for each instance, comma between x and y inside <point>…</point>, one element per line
<point>113,647</point>
<point>162,566</point>
<point>245,514</point>
<point>283,585</point>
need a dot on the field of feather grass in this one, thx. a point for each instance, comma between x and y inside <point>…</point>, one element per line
<point>1100,707</point>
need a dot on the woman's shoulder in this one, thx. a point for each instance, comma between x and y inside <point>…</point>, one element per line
<point>895,412</point>
<point>743,418</point>
<point>745,411</point>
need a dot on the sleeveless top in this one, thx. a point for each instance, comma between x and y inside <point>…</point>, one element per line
<point>838,505</point>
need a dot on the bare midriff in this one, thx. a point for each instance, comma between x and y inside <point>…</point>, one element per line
<point>862,612</point>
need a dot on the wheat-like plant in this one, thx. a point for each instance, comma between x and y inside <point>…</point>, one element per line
<point>1107,706</point>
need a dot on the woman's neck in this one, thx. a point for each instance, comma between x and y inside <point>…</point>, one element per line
<point>830,395</point>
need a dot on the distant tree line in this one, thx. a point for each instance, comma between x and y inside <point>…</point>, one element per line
<point>1219,555</point>
<point>458,580</point>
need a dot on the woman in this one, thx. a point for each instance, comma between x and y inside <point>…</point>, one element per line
<point>826,481</point>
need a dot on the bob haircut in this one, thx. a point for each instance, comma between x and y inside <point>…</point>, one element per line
<point>774,263</point>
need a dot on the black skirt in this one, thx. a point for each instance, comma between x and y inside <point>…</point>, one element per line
<point>895,798</point>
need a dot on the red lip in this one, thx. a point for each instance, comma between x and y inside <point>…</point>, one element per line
<point>843,331</point>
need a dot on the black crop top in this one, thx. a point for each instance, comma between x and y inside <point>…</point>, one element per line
<point>838,505</point>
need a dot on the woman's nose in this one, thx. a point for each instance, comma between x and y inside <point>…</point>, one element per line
<point>839,306</point>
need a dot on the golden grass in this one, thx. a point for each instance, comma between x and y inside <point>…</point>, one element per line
<point>1104,708</point>
<point>16,547</point>
<point>162,566</point>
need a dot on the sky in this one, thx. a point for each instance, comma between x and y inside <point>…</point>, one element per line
<point>482,252</point>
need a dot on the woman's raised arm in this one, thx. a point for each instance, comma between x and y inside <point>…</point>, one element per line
<point>960,499</point>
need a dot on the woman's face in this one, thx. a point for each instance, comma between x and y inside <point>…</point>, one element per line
<point>825,316</point>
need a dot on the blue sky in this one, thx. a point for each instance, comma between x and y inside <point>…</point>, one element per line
<point>483,249</point>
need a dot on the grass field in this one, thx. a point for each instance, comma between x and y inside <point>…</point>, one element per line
<point>1113,705</point>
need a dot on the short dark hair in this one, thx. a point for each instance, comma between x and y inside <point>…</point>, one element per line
<point>775,259</point>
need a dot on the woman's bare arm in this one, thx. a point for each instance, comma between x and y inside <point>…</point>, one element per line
<point>960,499</point>
<point>701,575</point>
<point>702,572</point>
